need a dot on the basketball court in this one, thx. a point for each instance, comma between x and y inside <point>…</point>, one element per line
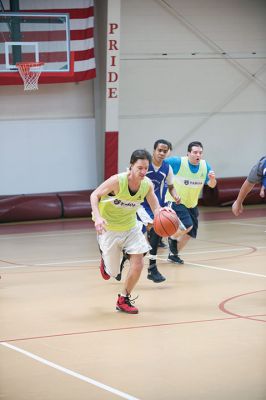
<point>199,335</point>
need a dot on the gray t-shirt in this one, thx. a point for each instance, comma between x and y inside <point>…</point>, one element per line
<point>257,171</point>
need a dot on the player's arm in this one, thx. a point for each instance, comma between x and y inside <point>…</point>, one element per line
<point>174,194</point>
<point>111,185</point>
<point>237,207</point>
<point>152,200</point>
<point>256,175</point>
<point>170,185</point>
<point>263,187</point>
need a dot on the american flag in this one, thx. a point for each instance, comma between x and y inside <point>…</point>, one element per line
<point>81,13</point>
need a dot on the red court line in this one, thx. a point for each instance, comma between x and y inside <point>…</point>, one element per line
<point>230,256</point>
<point>119,329</point>
<point>225,310</point>
<point>251,250</point>
<point>248,252</point>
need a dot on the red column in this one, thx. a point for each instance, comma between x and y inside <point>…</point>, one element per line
<point>111,154</point>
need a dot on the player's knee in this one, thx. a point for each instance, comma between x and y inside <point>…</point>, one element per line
<point>136,262</point>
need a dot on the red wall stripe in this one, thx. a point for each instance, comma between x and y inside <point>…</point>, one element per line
<point>111,154</point>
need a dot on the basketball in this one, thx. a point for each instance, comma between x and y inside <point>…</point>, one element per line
<point>165,223</point>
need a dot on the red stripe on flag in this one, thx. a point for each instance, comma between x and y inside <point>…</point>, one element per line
<point>84,55</point>
<point>58,56</point>
<point>75,13</point>
<point>49,36</point>
<point>77,77</point>
<point>111,154</point>
<point>55,56</point>
<point>53,77</point>
<point>81,34</point>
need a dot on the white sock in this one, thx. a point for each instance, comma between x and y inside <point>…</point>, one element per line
<point>174,238</point>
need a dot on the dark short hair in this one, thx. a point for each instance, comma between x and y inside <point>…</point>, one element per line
<point>198,144</point>
<point>163,141</point>
<point>140,154</point>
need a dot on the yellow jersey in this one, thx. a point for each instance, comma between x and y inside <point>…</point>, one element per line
<point>120,210</point>
<point>189,184</point>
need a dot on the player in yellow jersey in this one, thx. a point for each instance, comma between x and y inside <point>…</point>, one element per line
<point>191,173</point>
<point>114,205</point>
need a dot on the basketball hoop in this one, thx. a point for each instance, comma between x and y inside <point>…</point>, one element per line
<point>30,73</point>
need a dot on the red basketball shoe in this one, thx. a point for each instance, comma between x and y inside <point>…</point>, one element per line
<point>104,274</point>
<point>125,304</point>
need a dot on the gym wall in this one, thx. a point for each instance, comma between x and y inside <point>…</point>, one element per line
<point>175,83</point>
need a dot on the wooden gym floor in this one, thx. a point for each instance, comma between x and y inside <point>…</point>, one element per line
<point>200,335</point>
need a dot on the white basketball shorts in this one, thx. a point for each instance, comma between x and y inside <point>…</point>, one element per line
<point>112,243</point>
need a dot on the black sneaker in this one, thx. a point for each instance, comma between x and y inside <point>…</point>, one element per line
<point>174,258</point>
<point>154,275</point>
<point>172,245</point>
<point>124,259</point>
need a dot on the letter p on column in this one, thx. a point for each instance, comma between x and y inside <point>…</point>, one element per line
<point>113,27</point>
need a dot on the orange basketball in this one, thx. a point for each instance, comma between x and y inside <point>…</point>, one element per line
<point>165,223</point>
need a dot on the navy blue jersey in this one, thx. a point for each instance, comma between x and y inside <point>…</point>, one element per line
<point>158,179</point>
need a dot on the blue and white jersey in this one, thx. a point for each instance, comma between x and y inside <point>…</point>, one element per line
<point>158,178</point>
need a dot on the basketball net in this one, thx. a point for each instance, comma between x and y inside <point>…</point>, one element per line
<point>30,73</point>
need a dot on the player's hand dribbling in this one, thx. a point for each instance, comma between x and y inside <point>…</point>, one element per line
<point>167,209</point>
